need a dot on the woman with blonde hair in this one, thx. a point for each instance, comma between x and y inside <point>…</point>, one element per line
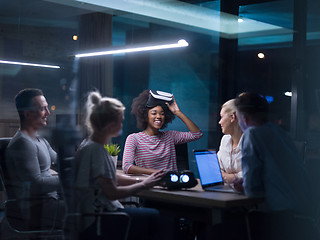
<point>97,185</point>
<point>229,153</point>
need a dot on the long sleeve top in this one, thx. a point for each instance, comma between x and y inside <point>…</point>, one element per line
<point>28,165</point>
<point>155,152</point>
<point>230,159</point>
<point>272,169</point>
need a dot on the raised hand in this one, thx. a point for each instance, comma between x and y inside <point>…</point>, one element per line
<point>173,107</point>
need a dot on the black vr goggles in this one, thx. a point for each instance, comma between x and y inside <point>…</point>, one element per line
<point>158,98</point>
<point>174,180</point>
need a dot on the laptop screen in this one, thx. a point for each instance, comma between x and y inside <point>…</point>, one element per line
<point>208,167</point>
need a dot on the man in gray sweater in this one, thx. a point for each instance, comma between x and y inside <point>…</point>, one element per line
<point>29,158</point>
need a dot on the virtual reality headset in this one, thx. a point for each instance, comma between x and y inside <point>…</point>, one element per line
<point>158,98</point>
<point>174,180</point>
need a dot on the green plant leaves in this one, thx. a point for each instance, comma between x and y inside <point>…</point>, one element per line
<point>113,149</point>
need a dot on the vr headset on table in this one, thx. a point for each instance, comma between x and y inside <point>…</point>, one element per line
<point>175,180</point>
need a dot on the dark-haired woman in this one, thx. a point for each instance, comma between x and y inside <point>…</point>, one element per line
<point>152,149</point>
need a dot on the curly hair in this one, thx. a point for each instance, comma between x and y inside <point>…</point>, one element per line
<point>140,110</point>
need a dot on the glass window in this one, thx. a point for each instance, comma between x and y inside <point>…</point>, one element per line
<point>224,58</point>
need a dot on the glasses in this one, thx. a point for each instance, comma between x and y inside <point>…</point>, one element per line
<point>41,109</point>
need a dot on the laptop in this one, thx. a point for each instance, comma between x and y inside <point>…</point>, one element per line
<point>210,172</point>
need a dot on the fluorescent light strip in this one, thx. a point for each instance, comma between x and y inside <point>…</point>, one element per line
<point>179,44</point>
<point>29,64</point>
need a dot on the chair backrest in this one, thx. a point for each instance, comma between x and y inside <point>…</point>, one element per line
<point>3,145</point>
<point>14,224</point>
<point>66,180</point>
<point>182,156</point>
<point>14,216</point>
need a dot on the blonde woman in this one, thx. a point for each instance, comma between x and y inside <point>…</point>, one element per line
<point>229,153</point>
<point>98,187</point>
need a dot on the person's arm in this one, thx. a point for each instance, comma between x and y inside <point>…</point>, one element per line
<point>220,155</point>
<point>52,153</point>
<point>252,166</point>
<point>225,160</point>
<point>126,180</point>
<point>53,157</point>
<point>174,108</point>
<point>183,137</point>
<point>238,184</point>
<point>228,177</point>
<point>129,153</point>
<point>140,170</point>
<point>113,192</point>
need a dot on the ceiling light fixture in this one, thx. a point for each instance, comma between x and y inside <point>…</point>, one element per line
<point>179,44</point>
<point>29,64</point>
<point>288,94</point>
<point>261,55</point>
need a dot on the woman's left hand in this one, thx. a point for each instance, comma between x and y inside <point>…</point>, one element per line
<point>228,177</point>
<point>173,107</point>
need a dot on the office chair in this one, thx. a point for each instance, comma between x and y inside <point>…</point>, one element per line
<point>117,223</point>
<point>182,156</point>
<point>13,227</point>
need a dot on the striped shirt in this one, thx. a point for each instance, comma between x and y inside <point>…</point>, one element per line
<point>155,152</point>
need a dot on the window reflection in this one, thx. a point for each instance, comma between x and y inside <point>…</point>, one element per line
<point>30,33</point>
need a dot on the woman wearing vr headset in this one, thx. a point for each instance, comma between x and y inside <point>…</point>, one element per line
<point>151,149</point>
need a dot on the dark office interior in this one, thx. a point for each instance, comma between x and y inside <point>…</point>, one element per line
<point>212,69</point>
<point>224,58</point>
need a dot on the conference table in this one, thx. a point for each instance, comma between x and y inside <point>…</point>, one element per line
<point>197,204</point>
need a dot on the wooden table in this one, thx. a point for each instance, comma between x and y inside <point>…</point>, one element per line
<point>198,198</point>
<point>197,204</point>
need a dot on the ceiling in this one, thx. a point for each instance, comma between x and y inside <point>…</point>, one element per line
<point>265,22</point>
<point>194,17</point>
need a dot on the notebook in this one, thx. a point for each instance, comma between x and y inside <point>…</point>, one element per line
<point>210,172</point>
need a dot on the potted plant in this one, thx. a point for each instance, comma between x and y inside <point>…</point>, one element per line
<point>113,150</point>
